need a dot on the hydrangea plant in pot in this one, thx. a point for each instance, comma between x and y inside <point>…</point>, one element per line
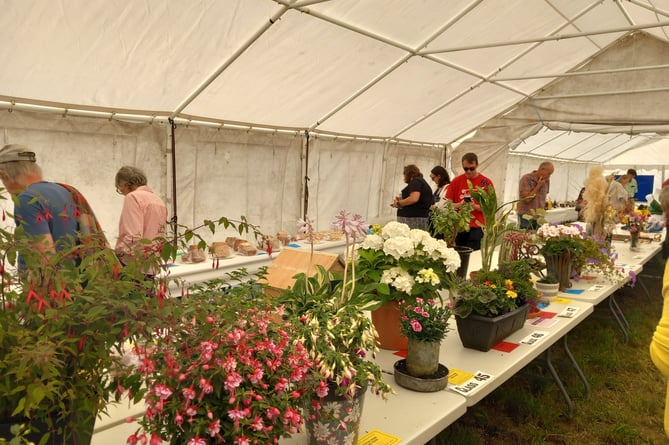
<point>396,263</point>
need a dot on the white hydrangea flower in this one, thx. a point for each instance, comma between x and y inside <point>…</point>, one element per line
<point>451,259</point>
<point>419,236</point>
<point>432,247</point>
<point>399,247</point>
<point>403,282</point>
<point>389,275</point>
<point>373,241</point>
<point>394,229</point>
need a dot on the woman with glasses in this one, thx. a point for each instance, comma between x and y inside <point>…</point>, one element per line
<point>413,206</point>
<point>144,213</point>
<point>440,177</point>
<point>458,193</point>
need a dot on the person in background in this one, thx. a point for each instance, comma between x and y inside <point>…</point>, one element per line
<point>532,190</point>
<point>440,177</point>
<point>144,213</point>
<point>458,193</point>
<point>413,206</point>
<point>52,215</point>
<point>659,345</point>
<point>632,187</point>
<point>618,196</point>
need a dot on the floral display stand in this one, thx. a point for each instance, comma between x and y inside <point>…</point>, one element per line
<point>482,333</point>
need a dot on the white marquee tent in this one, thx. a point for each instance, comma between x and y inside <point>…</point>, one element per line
<point>265,107</point>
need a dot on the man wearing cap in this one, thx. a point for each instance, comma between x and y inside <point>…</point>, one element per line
<point>51,214</point>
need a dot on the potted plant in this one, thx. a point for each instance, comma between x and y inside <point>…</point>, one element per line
<point>329,312</point>
<point>494,305</point>
<point>225,369</point>
<point>396,263</point>
<point>548,285</point>
<point>63,326</point>
<point>495,225</point>
<point>448,221</point>
<point>425,324</point>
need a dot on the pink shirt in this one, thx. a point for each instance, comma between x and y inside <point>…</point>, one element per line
<point>144,216</point>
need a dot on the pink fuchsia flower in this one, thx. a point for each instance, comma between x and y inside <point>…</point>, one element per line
<point>214,428</point>
<point>197,440</point>
<point>416,326</point>
<point>322,389</point>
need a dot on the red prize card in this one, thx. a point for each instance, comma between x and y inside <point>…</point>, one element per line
<point>401,353</point>
<point>505,346</point>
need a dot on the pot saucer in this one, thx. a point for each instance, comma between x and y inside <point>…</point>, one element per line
<point>435,382</point>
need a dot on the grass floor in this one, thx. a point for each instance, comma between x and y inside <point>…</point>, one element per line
<point>626,404</point>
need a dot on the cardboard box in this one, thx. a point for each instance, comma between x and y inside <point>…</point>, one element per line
<point>291,262</point>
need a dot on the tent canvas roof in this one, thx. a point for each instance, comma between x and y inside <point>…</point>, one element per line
<point>427,71</point>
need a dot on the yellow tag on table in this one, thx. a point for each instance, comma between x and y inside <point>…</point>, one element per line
<point>458,377</point>
<point>562,300</point>
<point>376,437</point>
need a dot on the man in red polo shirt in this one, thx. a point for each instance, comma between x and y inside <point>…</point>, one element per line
<point>458,193</point>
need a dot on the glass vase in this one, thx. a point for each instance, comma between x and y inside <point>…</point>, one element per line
<point>634,240</point>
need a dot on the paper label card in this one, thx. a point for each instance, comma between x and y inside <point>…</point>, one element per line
<point>568,312</point>
<point>458,377</point>
<point>376,437</point>
<point>597,288</point>
<point>534,337</point>
<point>479,380</point>
<point>561,300</point>
<point>544,322</point>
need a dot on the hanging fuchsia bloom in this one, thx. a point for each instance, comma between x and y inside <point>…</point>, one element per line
<point>47,214</point>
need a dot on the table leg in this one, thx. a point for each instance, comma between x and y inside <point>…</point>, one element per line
<point>619,316</point>
<point>576,367</point>
<point>642,283</point>
<point>558,382</point>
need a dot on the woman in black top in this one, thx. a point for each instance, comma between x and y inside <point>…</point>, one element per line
<point>413,207</point>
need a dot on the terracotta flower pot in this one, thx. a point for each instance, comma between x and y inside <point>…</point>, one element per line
<point>386,320</point>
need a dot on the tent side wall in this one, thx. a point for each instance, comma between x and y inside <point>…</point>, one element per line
<point>226,172</point>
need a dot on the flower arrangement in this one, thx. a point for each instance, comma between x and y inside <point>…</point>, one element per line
<point>496,292</point>
<point>556,239</point>
<point>425,320</point>
<point>636,220</point>
<point>224,370</point>
<point>589,252</point>
<point>396,262</point>
<point>596,200</point>
<point>328,312</point>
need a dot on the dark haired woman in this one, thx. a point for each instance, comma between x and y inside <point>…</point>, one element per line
<point>413,207</point>
<point>440,177</point>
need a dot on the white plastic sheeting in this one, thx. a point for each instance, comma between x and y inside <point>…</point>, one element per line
<point>391,73</point>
